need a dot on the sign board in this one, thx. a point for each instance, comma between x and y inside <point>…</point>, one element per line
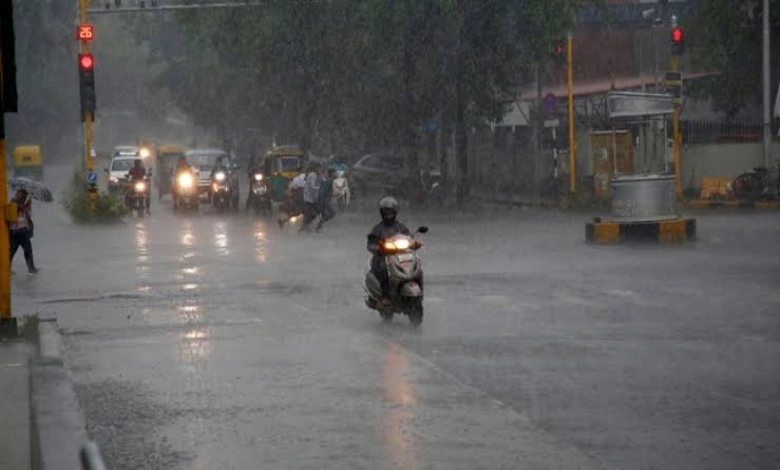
<point>625,104</point>
<point>92,152</point>
<point>551,104</point>
<point>85,32</point>
<point>552,123</point>
<point>92,177</point>
<point>673,81</point>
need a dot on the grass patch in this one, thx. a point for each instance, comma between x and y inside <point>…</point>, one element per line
<point>108,209</point>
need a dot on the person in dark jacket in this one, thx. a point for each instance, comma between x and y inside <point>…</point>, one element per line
<point>21,231</point>
<point>387,228</point>
<point>326,196</point>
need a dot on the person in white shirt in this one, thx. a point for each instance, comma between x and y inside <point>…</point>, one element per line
<point>293,206</point>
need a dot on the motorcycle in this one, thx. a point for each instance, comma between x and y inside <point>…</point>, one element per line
<point>135,198</point>
<point>406,276</point>
<point>258,192</point>
<point>185,192</point>
<point>222,192</point>
<point>755,185</point>
<point>341,190</point>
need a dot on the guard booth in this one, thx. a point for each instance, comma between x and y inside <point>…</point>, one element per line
<point>620,151</point>
<point>636,196</point>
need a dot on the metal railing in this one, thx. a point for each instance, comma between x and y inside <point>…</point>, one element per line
<point>91,458</point>
<point>723,130</point>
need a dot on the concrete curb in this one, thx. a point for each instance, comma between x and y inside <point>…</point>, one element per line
<point>57,431</point>
<point>666,231</point>
<point>707,204</point>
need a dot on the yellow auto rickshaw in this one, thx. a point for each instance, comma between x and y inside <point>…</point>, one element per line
<point>28,162</point>
<point>167,156</point>
<point>280,165</point>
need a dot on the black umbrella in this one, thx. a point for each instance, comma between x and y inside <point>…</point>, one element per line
<point>35,189</point>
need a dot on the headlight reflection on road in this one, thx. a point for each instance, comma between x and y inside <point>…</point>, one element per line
<point>261,242</point>
<point>187,237</point>
<point>195,347</point>
<point>400,404</point>
<point>221,238</point>
<point>187,314</point>
<point>142,249</point>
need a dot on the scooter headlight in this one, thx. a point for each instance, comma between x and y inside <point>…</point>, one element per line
<point>185,181</point>
<point>402,244</point>
<point>258,177</point>
<point>220,176</point>
<point>140,186</point>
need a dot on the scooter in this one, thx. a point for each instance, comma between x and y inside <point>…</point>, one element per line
<point>185,192</point>
<point>755,185</point>
<point>258,192</point>
<point>341,190</point>
<point>136,197</point>
<point>221,194</point>
<point>406,279</point>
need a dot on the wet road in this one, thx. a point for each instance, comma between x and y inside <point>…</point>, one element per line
<point>218,342</point>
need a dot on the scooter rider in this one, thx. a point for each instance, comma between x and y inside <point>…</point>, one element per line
<point>387,228</point>
<point>138,173</point>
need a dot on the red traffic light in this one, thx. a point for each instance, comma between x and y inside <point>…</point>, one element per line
<point>86,61</point>
<point>560,49</point>
<point>678,35</point>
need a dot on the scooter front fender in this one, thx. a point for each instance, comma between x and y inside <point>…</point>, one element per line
<point>411,289</point>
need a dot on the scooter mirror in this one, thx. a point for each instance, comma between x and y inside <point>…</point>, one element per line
<point>423,229</point>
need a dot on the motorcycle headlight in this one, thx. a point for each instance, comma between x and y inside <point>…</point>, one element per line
<point>185,180</point>
<point>258,177</point>
<point>389,246</point>
<point>140,186</point>
<point>402,244</point>
<point>219,176</point>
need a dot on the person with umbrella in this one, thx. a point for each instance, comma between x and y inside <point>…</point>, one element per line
<point>21,230</point>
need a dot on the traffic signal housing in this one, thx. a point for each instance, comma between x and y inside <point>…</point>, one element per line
<point>87,85</point>
<point>678,41</point>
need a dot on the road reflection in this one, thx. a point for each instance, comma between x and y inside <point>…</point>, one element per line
<point>261,242</point>
<point>142,251</point>
<point>195,348</point>
<point>187,236</point>
<point>221,237</point>
<point>397,426</point>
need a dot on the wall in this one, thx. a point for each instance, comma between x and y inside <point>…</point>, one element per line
<point>721,161</point>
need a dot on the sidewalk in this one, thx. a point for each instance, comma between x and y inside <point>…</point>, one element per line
<point>15,404</point>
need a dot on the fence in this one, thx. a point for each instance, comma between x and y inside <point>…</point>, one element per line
<point>724,130</point>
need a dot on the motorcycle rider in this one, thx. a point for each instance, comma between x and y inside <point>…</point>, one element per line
<point>138,173</point>
<point>387,228</point>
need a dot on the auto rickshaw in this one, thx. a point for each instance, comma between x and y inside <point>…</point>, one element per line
<point>167,156</point>
<point>28,162</point>
<point>281,164</point>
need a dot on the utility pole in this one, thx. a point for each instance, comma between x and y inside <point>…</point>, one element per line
<point>678,49</point>
<point>766,78</point>
<point>570,86</point>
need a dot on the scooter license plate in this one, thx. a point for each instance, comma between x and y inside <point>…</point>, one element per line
<point>405,257</point>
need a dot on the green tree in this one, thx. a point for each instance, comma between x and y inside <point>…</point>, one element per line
<point>726,36</point>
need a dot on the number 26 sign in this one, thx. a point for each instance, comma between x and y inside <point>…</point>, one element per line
<point>86,32</point>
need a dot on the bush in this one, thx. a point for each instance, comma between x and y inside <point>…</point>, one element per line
<point>108,209</point>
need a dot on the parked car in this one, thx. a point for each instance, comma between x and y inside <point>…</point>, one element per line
<point>387,174</point>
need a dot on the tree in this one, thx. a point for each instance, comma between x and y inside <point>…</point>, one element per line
<point>726,36</point>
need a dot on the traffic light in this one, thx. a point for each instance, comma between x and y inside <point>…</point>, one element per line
<point>559,54</point>
<point>87,85</point>
<point>678,41</point>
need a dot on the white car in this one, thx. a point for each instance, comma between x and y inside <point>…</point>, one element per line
<point>117,171</point>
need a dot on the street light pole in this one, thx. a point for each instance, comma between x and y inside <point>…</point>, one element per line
<point>766,78</point>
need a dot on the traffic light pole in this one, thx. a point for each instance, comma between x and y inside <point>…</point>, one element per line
<point>676,140</point>
<point>83,4</point>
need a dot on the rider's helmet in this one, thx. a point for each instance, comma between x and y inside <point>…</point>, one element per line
<point>388,208</point>
<point>137,162</point>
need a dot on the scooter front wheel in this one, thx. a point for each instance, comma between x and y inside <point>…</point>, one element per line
<point>415,312</point>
